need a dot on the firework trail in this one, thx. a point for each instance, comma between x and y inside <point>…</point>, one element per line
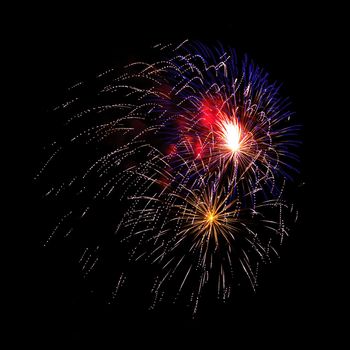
<point>198,147</point>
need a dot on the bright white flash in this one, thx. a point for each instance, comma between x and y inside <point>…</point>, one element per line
<point>232,136</point>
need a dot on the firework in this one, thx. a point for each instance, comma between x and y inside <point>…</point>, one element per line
<point>198,148</point>
<point>204,234</point>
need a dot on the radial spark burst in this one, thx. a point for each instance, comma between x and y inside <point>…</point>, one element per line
<point>196,149</point>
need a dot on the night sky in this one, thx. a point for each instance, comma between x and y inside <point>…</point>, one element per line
<point>297,300</point>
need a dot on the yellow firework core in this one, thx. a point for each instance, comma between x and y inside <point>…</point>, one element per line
<point>211,217</point>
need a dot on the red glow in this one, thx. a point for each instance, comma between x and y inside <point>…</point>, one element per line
<point>198,148</point>
<point>214,128</point>
<point>171,149</point>
<point>209,112</point>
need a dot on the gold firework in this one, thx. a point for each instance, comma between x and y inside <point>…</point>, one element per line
<point>207,215</point>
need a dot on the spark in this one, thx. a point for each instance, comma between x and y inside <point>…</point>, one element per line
<point>196,148</point>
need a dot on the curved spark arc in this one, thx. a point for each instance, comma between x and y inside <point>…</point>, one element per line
<point>200,225</point>
<point>201,147</point>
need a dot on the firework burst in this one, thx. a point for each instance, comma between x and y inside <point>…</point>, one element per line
<point>198,147</point>
<point>203,233</point>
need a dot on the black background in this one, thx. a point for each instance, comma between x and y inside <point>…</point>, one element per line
<point>298,301</point>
